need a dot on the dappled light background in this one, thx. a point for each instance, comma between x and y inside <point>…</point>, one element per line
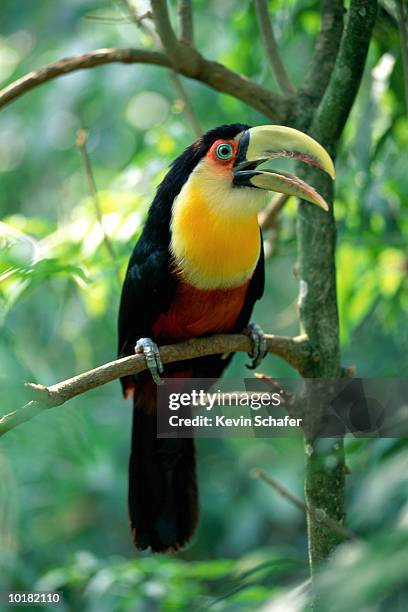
<point>63,516</point>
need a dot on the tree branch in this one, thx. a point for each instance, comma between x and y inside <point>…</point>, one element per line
<point>186,24</point>
<point>296,351</point>
<point>267,218</point>
<point>134,17</point>
<point>403,29</point>
<point>344,84</point>
<point>326,48</point>
<point>211,73</point>
<point>188,61</point>
<point>317,513</point>
<point>187,107</point>
<point>140,22</point>
<point>79,62</point>
<point>225,80</point>
<point>82,139</point>
<point>272,49</point>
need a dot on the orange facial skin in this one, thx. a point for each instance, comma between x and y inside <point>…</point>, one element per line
<point>225,164</point>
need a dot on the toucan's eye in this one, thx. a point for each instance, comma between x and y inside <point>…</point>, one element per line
<point>224,151</point>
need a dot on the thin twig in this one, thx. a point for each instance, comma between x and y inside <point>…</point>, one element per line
<point>267,218</point>
<point>272,50</point>
<point>317,513</point>
<point>110,20</point>
<point>188,109</point>
<point>145,15</point>
<point>133,16</point>
<point>186,24</point>
<point>148,28</point>
<point>403,29</point>
<point>81,141</point>
<point>296,351</point>
<point>289,400</point>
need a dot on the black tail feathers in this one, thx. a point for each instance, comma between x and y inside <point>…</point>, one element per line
<point>163,506</point>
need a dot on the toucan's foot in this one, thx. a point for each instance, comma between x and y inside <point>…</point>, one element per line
<point>259,348</point>
<point>153,360</point>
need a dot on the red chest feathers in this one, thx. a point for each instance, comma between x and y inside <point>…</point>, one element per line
<point>198,312</point>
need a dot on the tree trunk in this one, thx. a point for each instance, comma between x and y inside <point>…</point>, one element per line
<point>316,233</point>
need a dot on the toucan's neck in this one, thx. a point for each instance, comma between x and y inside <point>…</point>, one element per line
<point>215,237</point>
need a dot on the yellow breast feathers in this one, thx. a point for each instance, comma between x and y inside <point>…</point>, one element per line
<point>215,234</point>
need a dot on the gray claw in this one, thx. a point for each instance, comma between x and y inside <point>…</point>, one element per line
<point>259,348</point>
<point>152,355</point>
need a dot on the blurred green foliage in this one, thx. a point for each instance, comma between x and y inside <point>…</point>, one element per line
<point>63,522</point>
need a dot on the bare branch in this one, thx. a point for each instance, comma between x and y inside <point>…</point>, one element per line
<point>133,16</point>
<point>272,49</point>
<point>82,138</point>
<point>267,218</point>
<point>317,513</point>
<point>188,61</point>
<point>186,24</point>
<point>144,16</point>
<point>80,62</point>
<point>211,73</point>
<point>326,48</point>
<point>148,28</point>
<point>222,79</point>
<point>107,20</point>
<point>188,109</point>
<point>294,408</point>
<point>296,351</point>
<point>403,28</point>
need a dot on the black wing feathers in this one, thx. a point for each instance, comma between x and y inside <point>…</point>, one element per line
<point>147,292</point>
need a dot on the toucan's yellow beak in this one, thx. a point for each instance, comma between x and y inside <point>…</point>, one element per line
<point>265,142</point>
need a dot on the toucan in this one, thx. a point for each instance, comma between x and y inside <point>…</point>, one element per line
<point>196,270</point>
